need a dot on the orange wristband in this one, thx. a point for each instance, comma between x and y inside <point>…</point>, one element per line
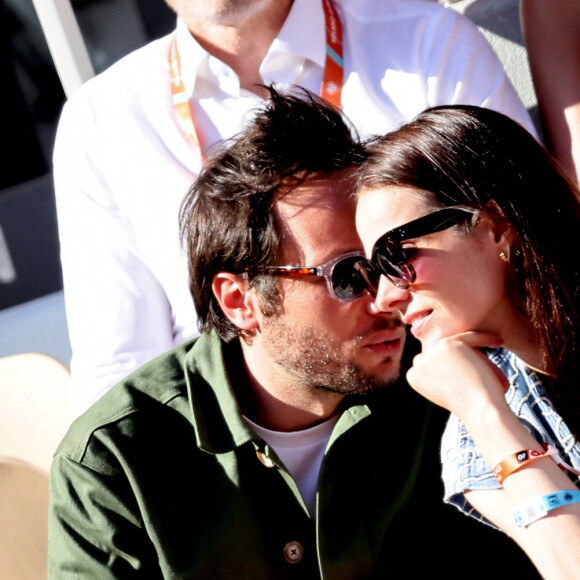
<point>516,461</point>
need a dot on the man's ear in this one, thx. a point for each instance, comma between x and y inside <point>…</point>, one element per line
<point>237,301</point>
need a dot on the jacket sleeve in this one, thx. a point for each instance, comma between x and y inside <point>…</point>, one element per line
<point>95,531</point>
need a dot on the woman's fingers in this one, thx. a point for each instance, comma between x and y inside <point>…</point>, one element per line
<point>454,372</point>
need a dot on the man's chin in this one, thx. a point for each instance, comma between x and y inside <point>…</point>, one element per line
<point>361,383</point>
<point>387,373</point>
<point>375,385</point>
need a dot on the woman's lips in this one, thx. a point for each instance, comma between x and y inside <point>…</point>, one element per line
<point>418,321</point>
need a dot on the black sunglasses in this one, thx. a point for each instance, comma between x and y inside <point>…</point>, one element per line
<point>345,275</point>
<point>390,259</point>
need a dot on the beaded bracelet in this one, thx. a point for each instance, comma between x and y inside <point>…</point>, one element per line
<point>516,461</point>
<point>539,506</point>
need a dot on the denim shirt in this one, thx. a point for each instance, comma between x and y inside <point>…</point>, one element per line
<point>463,466</point>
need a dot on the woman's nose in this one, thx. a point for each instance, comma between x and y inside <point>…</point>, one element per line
<point>390,297</point>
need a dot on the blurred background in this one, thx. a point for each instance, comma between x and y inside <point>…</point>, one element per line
<point>32,315</point>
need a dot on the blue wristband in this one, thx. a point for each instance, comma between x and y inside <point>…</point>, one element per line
<point>539,506</point>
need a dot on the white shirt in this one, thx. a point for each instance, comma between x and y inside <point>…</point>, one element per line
<point>302,453</point>
<point>122,164</point>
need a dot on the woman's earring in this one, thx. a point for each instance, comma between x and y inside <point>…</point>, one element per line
<point>503,257</point>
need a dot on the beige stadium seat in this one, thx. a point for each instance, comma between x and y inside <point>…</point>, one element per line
<point>23,525</point>
<point>36,407</point>
<point>35,413</point>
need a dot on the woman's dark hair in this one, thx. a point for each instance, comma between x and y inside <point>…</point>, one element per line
<point>226,220</point>
<point>462,155</point>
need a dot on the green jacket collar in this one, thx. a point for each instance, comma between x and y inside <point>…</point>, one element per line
<point>217,415</point>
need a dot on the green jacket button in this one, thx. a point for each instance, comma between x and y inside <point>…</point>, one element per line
<point>293,552</point>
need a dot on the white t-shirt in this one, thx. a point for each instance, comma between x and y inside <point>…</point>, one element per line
<point>122,165</point>
<point>302,453</point>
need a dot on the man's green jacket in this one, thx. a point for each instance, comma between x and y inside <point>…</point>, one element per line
<point>163,478</point>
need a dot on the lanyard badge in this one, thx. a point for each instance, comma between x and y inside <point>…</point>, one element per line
<point>331,83</point>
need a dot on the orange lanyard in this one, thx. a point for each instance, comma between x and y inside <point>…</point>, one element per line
<point>331,83</point>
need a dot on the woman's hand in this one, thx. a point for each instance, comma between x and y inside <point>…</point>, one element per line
<point>456,375</point>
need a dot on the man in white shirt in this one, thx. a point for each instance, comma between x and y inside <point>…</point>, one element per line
<point>126,152</point>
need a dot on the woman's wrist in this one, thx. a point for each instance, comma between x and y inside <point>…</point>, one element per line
<point>496,431</point>
<point>499,434</point>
